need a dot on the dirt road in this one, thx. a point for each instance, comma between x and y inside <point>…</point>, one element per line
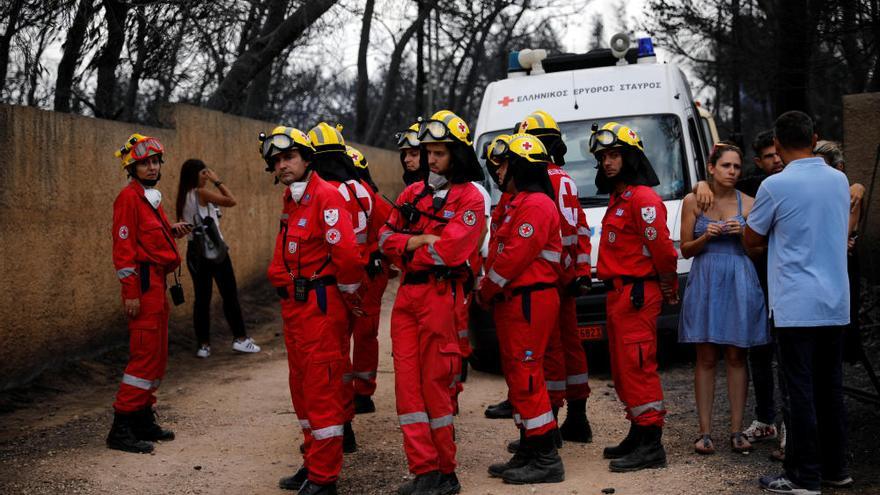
<point>236,433</point>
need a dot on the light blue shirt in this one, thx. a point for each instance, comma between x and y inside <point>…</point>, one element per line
<point>804,210</point>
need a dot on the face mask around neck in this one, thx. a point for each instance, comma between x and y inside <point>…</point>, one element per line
<point>437,181</point>
<point>297,189</point>
<point>153,196</point>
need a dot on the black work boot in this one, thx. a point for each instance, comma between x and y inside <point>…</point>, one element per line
<point>349,443</point>
<point>576,427</point>
<point>513,445</point>
<point>464,369</point>
<point>146,428</point>
<point>311,488</point>
<point>423,484</point>
<point>545,465</point>
<point>503,409</point>
<point>363,404</point>
<point>449,484</point>
<point>294,482</point>
<point>122,437</point>
<point>626,446</point>
<point>649,453</point>
<point>520,458</point>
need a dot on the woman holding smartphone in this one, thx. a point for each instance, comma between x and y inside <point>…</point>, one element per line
<point>199,205</point>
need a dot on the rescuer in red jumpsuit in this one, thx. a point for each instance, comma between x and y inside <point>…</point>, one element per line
<point>410,155</point>
<point>522,277</point>
<point>434,228</point>
<point>365,354</point>
<point>332,163</point>
<point>638,262</point>
<point>316,271</point>
<point>144,253</point>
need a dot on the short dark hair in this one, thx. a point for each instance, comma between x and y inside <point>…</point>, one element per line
<point>763,140</point>
<point>794,130</point>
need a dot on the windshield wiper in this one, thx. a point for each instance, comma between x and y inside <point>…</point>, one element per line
<point>594,201</point>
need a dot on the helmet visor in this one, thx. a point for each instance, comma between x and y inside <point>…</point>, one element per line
<point>145,148</point>
<point>435,130</point>
<point>603,138</point>
<point>280,142</point>
<point>407,139</point>
<point>498,150</point>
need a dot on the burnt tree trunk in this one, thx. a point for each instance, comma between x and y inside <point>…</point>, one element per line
<point>258,91</point>
<point>137,68</point>
<point>73,46</point>
<point>108,60</point>
<point>362,107</point>
<point>6,39</point>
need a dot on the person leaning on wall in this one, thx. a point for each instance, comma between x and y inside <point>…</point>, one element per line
<point>199,205</point>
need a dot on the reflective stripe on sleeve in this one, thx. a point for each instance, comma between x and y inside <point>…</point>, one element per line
<point>583,259</point>
<point>384,237</point>
<point>349,288</point>
<point>569,240</point>
<point>498,279</point>
<point>436,257</point>
<point>328,432</point>
<point>125,272</point>
<point>583,231</point>
<point>412,418</point>
<point>555,385</point>
<point>639,410</point>
<point>141,383</point>
<point>538,421</point>
<point>577,379</point>
<point>551,256</point>
<point>441,422</point>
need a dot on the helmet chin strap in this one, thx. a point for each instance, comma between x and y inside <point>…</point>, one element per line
<point>149,182</point>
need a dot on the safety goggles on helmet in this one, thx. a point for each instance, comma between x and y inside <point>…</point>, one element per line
<point>407,139</point>
<point>604,138</point>
<point>435,129</point>
<point>613,135</point>
<point>444,127</point>
<point>497,149</point>
<point>282,139</point>
<point>146,148</point>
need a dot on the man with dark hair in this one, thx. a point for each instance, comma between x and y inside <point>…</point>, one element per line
<point>801,215</point>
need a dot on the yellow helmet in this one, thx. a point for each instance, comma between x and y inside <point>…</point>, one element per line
<point>525,146</point>
<point>139,147</point>
<point>539,123</point>
<point>408,138</point>
<point>613,135</point>
<point>327,138</point>
<point>283,138</point>
<point>360,161</point>
<point>444,127</point>
<point>496,148</point>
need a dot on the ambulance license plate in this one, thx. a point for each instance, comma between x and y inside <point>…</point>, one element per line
<point>591,332</point>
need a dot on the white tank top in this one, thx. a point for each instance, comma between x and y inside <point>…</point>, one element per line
<point>192,205</point>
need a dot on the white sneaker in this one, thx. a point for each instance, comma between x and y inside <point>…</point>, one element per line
<point>759,431</point>
<point>246,345</point>
<point>204,351</point>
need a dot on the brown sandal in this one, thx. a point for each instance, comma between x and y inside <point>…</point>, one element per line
<point>705,445</point>
<point>739,443</point>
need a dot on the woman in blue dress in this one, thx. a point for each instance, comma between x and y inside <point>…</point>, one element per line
<point>723,307</point>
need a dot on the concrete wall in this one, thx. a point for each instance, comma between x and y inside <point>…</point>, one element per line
<point>59,296</point>
<point>861,130</point>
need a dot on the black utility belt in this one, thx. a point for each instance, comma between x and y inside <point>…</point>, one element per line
<point>625,280</point>
<point>302,286</point>
<point>525,289</point>
<point>637,295</point>
<point>426,276</point>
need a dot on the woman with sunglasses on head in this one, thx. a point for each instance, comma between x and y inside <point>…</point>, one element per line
<point>144,253</point>
<point>199,205</point>
<point>434,228</point>
<point>723,308</point>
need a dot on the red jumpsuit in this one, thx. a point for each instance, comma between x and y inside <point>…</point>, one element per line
<point>365,356</point>
<point>635,244</point>
<point>567,375</point>
<point>523,272</point>
<point>144,252</point>
<point>359,201</point>
<point>316,242</point>
<point>423,332</point>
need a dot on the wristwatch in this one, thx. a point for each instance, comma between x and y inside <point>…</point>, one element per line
<point>218,183</point>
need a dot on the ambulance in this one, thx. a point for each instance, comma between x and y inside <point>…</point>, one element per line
<point>624,84</point>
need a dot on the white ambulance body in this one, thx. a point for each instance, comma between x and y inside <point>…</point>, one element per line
<point>653,99</point>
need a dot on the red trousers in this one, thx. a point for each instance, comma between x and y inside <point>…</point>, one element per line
<point>316,336</point>
<point>577,385</point>
<point>462,324</point>
<point>426,360</point>
<point>524,324</point>
<point>632,342</point>
<point>554,366</point>
<point>147,347</point>
<point>365,330</point>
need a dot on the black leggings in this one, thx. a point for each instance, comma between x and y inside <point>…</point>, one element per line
<point>203,276</point>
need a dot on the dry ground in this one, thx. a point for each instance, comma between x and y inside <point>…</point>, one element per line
<point>236,431</point>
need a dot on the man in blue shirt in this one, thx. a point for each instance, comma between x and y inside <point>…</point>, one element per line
<point>801,215</point>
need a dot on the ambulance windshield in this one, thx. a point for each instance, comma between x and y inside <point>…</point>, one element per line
<point>661,136</point>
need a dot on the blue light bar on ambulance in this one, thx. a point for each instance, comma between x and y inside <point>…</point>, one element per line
<point>513,64</point>
<point>646,47</point>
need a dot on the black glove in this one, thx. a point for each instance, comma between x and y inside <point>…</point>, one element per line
<point>580,286</point>
<point>374,266</point>
<point>410,213</point>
